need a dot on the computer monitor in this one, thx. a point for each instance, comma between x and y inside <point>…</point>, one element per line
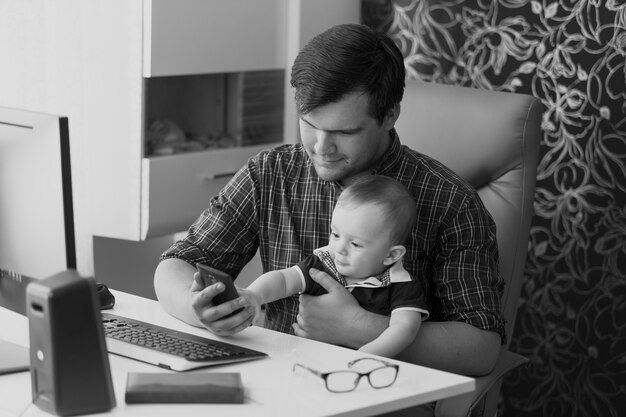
<point>36,209</point>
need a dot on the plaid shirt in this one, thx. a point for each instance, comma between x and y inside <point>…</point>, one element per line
<point>278,204</point>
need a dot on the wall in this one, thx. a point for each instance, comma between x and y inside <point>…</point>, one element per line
<point>53,58</point>
<point>571,321</point>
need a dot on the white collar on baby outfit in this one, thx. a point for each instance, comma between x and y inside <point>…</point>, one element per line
<point>394,274</point>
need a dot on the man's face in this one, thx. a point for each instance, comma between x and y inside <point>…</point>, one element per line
<point>343,140</point>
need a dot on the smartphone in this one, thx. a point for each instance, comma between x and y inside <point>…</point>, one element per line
<point>210,276</point>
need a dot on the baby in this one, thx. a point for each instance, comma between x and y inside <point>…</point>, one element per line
<point>371,220</point>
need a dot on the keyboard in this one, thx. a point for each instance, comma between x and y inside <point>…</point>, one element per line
<point>168,348</point>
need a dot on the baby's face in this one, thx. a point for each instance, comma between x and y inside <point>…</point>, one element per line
<point>359,241</point>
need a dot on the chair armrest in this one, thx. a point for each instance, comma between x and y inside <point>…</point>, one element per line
<point>462,405</point>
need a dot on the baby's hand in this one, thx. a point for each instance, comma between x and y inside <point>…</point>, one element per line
<point>255,301</point>
<point>253,298</point>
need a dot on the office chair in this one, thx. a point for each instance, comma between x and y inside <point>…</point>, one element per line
<point>492,140</point>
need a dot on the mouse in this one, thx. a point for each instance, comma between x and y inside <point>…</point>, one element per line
<point>106,299</point>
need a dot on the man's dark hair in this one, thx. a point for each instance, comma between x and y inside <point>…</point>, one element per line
<point>345,59</point>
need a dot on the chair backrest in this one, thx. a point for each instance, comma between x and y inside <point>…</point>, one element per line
<point>492,140</point>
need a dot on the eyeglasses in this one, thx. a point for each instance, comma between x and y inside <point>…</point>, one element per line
<point>382,376</point>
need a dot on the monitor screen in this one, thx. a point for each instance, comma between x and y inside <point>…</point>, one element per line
<point>36,210</point>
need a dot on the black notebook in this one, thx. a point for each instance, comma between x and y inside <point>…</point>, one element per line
<point>214,387</point>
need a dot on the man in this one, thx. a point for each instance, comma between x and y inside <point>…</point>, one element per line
<point>348,82</point>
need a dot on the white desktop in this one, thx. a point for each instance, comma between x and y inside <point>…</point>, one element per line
<point>271,386</point>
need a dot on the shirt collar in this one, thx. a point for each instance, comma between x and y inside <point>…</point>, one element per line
<point>394,274</point>
<point>389,162</point>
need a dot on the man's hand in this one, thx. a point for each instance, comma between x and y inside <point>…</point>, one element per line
<point>216,318</point>
<point>336,317</point>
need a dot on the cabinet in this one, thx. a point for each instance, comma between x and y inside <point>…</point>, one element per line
<point>213,36</point>
<point>97,63</point>
<point>192,57</point>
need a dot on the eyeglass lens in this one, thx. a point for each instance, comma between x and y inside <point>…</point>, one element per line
<point>383,377</point>
<point>343,381</point>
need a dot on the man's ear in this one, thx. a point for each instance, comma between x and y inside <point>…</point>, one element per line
<point>391,117</point>
<point>395,253</point>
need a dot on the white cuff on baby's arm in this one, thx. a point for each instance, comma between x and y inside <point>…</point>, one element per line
<point>301,275</point>
<point>423,312</point>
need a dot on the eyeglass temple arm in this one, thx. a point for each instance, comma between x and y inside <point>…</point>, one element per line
<point>354,362</point>
<point>313,371</point>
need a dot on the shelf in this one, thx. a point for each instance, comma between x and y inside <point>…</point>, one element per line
<point>213,111</point>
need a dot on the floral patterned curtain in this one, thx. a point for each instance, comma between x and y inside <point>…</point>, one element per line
<point>571,55</point>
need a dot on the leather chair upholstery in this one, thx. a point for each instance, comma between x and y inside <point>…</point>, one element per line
<point>492,140</point>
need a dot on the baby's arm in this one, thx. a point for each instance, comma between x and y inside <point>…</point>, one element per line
<point>272,286</point>
<point>403,327</point>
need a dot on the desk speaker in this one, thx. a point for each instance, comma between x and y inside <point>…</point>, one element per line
<point>70,371</point>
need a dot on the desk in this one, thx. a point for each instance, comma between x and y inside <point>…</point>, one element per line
<point>271,387</point>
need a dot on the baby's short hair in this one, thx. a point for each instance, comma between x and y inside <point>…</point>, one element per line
<point>398,205</point>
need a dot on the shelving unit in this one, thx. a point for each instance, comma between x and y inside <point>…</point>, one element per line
<point>113,67</point>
